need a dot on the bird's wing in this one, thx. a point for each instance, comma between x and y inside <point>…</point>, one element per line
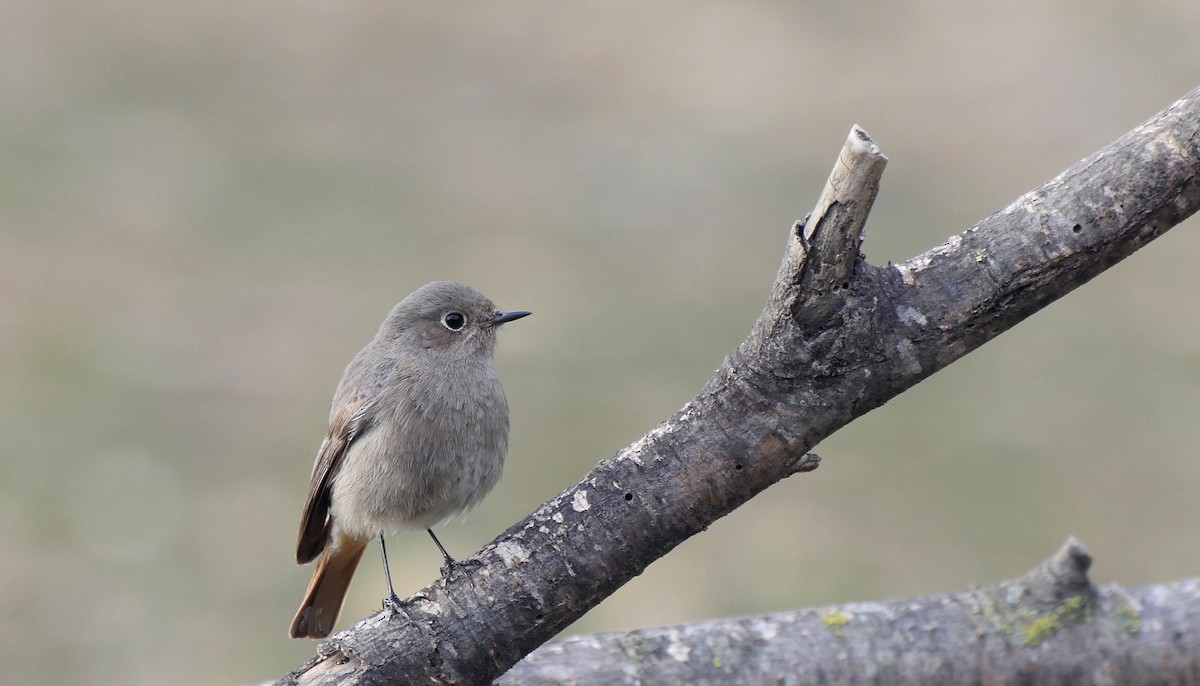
<point>348,424</point>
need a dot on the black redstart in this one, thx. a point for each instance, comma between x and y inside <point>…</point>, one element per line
<point>417,434</point>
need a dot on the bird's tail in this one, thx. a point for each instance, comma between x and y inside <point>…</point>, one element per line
<point>327,590</point>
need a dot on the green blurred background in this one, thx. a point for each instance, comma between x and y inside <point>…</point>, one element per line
<point>206,209</point>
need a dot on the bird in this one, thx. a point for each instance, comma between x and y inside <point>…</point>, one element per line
<point>418,433</point>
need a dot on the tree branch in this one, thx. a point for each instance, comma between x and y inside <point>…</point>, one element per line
<point>838,337</point>
<point>1047,627</point>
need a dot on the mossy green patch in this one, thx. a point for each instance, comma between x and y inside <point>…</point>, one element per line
<point>1070,611</point>
<point>835,620</point>
<point>1131,619</point>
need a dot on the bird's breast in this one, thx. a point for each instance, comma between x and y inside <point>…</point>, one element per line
<point>428,455</point>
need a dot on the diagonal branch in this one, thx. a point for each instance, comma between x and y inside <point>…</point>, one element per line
<point>837,338</point>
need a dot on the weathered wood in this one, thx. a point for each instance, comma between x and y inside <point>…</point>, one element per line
<point>1048,627</point>
<point>838,337</point>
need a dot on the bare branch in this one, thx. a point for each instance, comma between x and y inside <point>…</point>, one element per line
<point>835,225</point>
<point>1047,627</point>
<point>838,337</point>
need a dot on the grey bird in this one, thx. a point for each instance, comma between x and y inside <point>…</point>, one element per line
<point>417,434</point>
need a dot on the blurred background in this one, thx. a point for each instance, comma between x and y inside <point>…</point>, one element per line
<point>206,209</point>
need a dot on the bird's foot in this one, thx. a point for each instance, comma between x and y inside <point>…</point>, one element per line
<point>396,606</point>
<point>451,566</point>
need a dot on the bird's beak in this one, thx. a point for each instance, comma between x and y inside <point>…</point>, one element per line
<point>502,317</point>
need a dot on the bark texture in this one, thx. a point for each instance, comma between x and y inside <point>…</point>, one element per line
<point>1051,626</point>
<point>837,338</point>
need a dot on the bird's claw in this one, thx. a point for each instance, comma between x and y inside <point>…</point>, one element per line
<point>450,566</point>
<point>395,605</point>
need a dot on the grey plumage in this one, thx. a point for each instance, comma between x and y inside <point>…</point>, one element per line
<point>418,434</point>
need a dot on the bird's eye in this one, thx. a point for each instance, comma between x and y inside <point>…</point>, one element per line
<point>454,321</point>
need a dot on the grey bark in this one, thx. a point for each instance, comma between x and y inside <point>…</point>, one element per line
<point>1051,626</point>
<point>837,338</point>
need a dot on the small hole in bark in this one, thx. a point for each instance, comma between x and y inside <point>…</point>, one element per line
<point>628,497</point>
<point>737,467</point>
<point>539,617</point>
<point>1077,228</point>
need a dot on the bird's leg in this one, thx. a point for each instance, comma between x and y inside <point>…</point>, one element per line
<point>392,601</point>
<point>451,564</point>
